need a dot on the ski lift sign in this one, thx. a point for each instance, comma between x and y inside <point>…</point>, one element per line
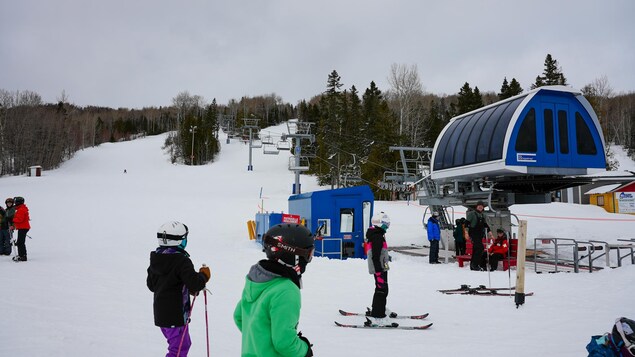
<point>290,218</point>
<point>625,202</point>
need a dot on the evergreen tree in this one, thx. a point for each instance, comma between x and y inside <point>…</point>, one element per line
<point>329,129</point>
<point>514,88</point>
<point>504,93</point>
<point>465,99</point>
<point>468,99</point>
<point>551,75</point>
<point>383,131</point>
<point>509,90</point>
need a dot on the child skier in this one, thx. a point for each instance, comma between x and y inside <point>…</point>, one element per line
<point>268,312</point>
<point>172,278</point>
<point>496,252</point>
<point>21,223</point>
<point>377,251</point>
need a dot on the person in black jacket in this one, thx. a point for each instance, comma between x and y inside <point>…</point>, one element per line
<point>172,278</point>
<point>477,223</point>
<point>377,251</point>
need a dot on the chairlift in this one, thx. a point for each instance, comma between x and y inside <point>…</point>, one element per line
<point>269,149</point>
<point>303,164</point>
<point>256,143</point>
<point>284,145</point>
<point>267,140</point>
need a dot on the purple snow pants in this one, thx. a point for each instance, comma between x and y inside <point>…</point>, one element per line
<point>173,335</point>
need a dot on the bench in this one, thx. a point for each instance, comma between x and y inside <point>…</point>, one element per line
<point>461,259</point>
<point>507,262</point>
<point>512,255</point>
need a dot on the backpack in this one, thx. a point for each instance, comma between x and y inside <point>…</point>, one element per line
<point>623,336</point>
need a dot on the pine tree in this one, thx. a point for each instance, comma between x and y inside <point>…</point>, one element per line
<point>465,99</point>
<point>510,89</point>
<point>514,88</point>
<point>552,74</point>
<point>383,131</point>
<point>469,99</point>
<point>504,93</point>
<point>329,129</point>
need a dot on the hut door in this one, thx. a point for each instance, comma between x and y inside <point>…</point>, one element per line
<point>564,128</point>
<point>555,127</point>
<point>547,149</point>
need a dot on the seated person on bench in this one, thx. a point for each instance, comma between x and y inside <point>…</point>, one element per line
<point>497,251</point>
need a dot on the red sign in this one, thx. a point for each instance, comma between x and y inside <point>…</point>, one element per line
<point>290,218</point>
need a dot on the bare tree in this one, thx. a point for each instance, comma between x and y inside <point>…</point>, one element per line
<point>405,89</point>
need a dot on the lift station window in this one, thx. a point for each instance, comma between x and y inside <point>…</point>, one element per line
<point>583,136</point>
<point>526,141</point>
<point>346,220</point>
<point>563,132</point>
<point>549,131</point>
<point>366,211</point>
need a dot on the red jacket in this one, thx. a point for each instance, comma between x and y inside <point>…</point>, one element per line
<point>499,246</point>
<point>21,217</point>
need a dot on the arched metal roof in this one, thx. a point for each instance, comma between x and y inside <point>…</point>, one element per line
<point>484,142</point>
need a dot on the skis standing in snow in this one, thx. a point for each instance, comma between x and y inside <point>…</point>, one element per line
<point>172,278</point>
<point>377,251</point>
<point>268,312</point>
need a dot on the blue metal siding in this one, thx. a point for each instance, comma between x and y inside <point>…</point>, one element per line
<point>564,106</point>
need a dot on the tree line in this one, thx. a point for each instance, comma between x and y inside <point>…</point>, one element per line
<point>353,129</point>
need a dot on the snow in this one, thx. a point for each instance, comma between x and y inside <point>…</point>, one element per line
<point>83,291</point>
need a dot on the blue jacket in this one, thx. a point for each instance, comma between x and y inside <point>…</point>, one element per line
<point>434,232</point>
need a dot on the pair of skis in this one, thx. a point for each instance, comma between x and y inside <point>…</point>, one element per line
<point>372,324</point>
<point>482,290</point>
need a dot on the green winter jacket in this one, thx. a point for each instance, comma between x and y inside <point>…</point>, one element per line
<point>268,314</point>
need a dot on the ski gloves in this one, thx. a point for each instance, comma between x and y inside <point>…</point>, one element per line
<point>205,271</point>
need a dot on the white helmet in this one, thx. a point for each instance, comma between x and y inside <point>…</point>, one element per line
<point>172,234</point>
<point>381,220</point>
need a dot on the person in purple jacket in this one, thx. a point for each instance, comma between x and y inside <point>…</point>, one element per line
<point>172,278</point>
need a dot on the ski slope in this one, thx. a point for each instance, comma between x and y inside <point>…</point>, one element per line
<point>83,293</point>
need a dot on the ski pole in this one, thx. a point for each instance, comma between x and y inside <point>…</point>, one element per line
<point>509,266</point>
<point>187,323</point>
<point>206,322</point>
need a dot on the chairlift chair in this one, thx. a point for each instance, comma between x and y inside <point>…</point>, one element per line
<point>284,145</point>
<point>269,149</point>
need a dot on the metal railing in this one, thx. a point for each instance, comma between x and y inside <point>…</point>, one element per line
<point>323,253</point>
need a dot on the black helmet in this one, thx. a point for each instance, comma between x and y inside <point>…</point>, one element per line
<point>289,244</point>
<point>19,200</point>
<point>9,200</point>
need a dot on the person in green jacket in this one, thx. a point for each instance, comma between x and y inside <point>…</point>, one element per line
<point>269,310</point>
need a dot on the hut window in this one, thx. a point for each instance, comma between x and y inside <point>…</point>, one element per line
<point>549,131</point>
<point>600,200</point>
<point>526,141</point>
<point>563,133</point>
<point>585,142</point>
<point>346,220</point>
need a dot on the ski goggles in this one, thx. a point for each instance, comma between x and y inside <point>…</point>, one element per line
<point>276,244</point>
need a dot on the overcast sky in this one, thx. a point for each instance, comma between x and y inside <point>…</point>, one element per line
<point>137,53</point>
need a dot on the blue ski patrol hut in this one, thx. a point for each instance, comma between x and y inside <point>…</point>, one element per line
<point>339,219</point>
<point>548,131</point>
